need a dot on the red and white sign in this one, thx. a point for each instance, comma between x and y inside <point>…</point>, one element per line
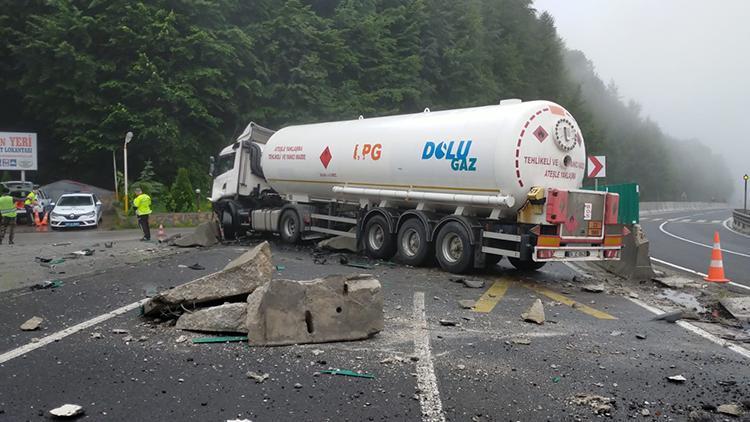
<point>597,166</point>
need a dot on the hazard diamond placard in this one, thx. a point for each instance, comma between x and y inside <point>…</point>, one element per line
<point>597,166</point>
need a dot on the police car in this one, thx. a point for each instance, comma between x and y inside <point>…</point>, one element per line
<point>19,190</point>
<point>76,210</point>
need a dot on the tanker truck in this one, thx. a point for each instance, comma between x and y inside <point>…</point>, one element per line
<point>462,187</point>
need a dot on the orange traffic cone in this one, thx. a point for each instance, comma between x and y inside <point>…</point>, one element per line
<point>161,236</point>
<point>716,268</point>
<point>44,223</point>
<point>36,219</point>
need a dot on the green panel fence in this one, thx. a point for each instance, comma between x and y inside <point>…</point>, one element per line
<point>629,201</point>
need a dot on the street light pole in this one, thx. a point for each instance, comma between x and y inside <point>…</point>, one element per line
<point>114,165</point>
<point>745,177</point>
<point>128,138</point>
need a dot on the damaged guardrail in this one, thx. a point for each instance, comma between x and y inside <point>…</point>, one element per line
<point>741,221</point>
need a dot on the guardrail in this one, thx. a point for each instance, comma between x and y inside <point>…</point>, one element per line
<point>741,221</point>
<point>648,208</point>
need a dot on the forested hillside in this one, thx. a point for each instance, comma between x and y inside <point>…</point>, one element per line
<point>187,75</point>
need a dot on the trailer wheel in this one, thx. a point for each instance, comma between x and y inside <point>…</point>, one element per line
<point>453,249</point>
<point>290,227</point>
<point>413,248</point>
<point>526,265</point>
<point>379,242</point>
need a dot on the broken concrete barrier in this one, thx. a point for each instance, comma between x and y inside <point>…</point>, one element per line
<point>32,324</point>
<point>226,318</point>
<point>241,277</point>
<point>205,234</point>
<point>535,313</point>
<point>340,243</point>
<point>333,308</point>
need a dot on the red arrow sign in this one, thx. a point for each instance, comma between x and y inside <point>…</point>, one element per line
<point>597,166</point>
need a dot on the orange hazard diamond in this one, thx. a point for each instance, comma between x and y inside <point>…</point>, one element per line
<point>325,157</point>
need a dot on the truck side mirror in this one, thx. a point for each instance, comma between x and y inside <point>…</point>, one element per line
<point>211,166</point>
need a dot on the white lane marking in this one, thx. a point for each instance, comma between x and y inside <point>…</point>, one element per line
<point>715,221</point>
<point>731,229</point>
<point>669,264</point>
<point>429,395</point>
<point>663,230</point>
<point>696,330</point>
<point>20,351</point>
<point>701,221</point>
<point>657,219</point>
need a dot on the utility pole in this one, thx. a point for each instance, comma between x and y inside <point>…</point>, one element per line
<point>128,138</point>
<point>114,165</point>
<point>745,177</point>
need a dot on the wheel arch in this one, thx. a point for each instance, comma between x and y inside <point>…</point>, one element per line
<point>428,220</point>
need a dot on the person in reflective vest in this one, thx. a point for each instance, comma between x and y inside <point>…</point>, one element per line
<point>8,215</point>
<point>142,203</point>
<point>29,205</point>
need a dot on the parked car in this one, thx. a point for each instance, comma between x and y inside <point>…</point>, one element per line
<point>19,190</point>
<point>76,210</point>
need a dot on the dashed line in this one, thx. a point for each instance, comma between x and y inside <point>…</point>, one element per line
<point>429,395</point>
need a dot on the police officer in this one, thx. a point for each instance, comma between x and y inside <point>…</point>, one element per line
<point>8,213</point>
<point>142,203</point>
<point>29,205</point>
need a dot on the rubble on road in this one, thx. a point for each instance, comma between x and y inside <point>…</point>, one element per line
<point>447,323</point>
<point>676,282</point>
<point>240,277</point>
<point>259,378</point>
<point>535,313</point>
<point>738,307</point>
<point>600,404</point>
<point>521,341</point>
<point>672,317</point>
<point>226,318</point>
<point>47,284</point>
<point>467,303</point>
<point>67,411</point>
<point>339,243</point>
<point>679,379</point>
<point>593,288</point>
<point>731,409</point>
<point>32,324</point>
<point>205,234</point>
<point>347,373</point>
<point>333,308</point>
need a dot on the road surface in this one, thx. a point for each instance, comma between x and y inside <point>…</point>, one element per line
<point>685,239</point>
<point>479,370</point>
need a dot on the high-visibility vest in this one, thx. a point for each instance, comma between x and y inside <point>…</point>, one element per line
<point>30,198</point>
<point>142,204</point>
<point>7,206</point>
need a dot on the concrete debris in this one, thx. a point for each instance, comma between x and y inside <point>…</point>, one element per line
<point>333,308</point>
<point>615,333</point>
<point>679,379</point>
<point>593,288</point>
<point>645,412</point>
<point>447,323</point>
<point>127,339</point>
<point>96,335</point>
<point>474,284</point>
<point>467,303</point>
<point>181,339</point>
<point>676,282</point>
<point>339,243</point>
<point>119,331</point>
<point>640,336</point>
<point>601,405</point>
<point>739,307</point>
<point>317,352</point>
<point>535,313</point>
<point>460,367</point>
<point>67,411</point>
<point>394,359</point>
<point>633,295</point>
<point>731,409</point>
<point>241,277</point>
<point>298,386</point>
<point>258,377</point>
<point>521,341</point>
<point>672,317</point>
<point>226,318</point>
<point>32,324</point>
<point>206,234</point>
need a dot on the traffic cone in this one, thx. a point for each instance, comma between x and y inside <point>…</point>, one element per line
<point>44,223</point>
<point>36,219</point>
<point>716,268</point>
<point>161,236</point>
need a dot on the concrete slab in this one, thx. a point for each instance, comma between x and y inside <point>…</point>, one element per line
<point>739,307</point>
<point>206,234</point>
<point>226,318</point>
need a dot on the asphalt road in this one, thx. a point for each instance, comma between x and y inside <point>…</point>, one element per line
<point>482,370</point>
<point>686,238</point>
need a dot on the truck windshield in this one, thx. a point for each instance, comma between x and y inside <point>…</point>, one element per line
<point>226,163</point>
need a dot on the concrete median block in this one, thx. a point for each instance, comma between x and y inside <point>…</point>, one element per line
<point>242,277</point>
<point>205,234</point>
<point>226,318</point>
<point>333,308</point>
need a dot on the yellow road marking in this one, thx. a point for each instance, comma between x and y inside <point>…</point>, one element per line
<point>567,301</point>
<point>492,296</point>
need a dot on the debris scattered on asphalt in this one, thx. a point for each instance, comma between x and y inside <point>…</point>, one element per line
<point>298,386</point>
<point>197,266</point>
<point>40,259</point>
<point>67,411</point>
<point>119,331</point>
<point>677,379</point>
<point>96,335</point>
<point>317,352</point>
<point>205,234</point>
<point>48,284</point>
<point>127,339</point>
<point>731,409</point>
<point>347,373</point>
<point>356,264</point>
<point>738,307</point>
<point>223,339</point>
<point>181,339</point>
<point>32,324</point>
<point>645,412</point>
<point>340,243</point>
<point>258,377</point>
<point>640,336</point>
<point>393,359</point>
<point>467,303</point>
<point>521,341</point>
<point>447,323</point>
<point>280,268</point>
<point>84,252</point>
<point>535,313</point>
<point>460,367</point>
<point>108,245</point>
<point>226,318</point>
<point>473,284</point>
<point>615,333</point>
<point>672,317</point>
<point>601,405</point>
<point>62,244</point>
<point>593,288</point>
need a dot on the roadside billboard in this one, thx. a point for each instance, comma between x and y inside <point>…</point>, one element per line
<point>18,151</point>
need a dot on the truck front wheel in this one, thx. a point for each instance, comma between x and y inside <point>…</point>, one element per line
<point>229,220</point>
<point>526,265</point>
<point>379,242</point>
<point>290,227</point>
<point>454,250</point>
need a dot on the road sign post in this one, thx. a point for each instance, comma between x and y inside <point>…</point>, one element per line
<point>597,167</point>
<point>745,177</point>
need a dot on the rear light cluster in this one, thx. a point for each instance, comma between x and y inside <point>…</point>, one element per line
<point>611,253</point>
<point>545,253</point>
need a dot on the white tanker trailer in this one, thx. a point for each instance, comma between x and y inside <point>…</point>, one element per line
<point>464,186</point>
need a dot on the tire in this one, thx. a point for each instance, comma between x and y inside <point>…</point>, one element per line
<point>413,248</point>
<point>379,242</point>
<point>290,227</point>
<point>526,265</point>
<point>453,249</point>
<point>491,260</point>
<point>229,221</point>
